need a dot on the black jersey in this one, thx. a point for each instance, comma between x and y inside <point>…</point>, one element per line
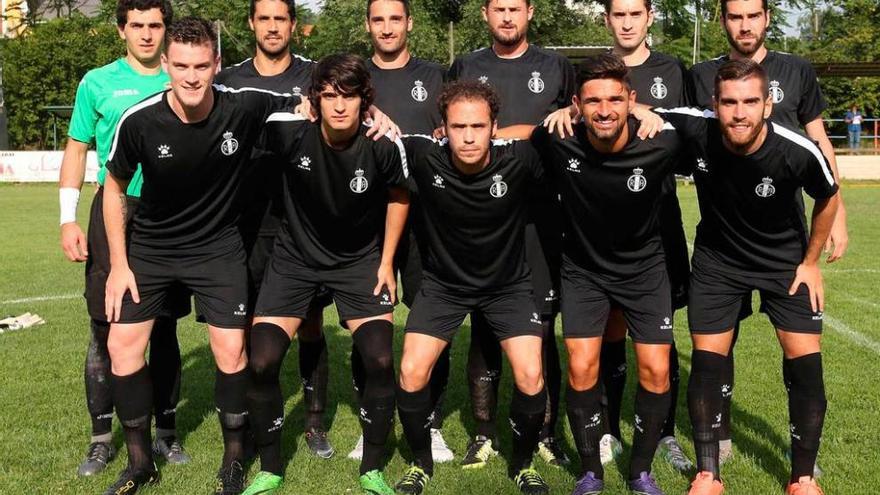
<point>191,171</point>
<point>661,81</point>
<point>752,210</point>
<point>530,86</point>
<point>408,95</point>
<point>335,199</point>
<point>470,228</point>
<point>260,192</point>
<point>610,202</point>
<point>794,86</point>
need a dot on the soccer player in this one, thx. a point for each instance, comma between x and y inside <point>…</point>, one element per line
<point>531,82</point>
<point>103,95</point>
<point>612,185</point>
<point>345,207</point>
<point>750,174</point>
<point>473,208</point>
<point>659,81</point>
<point>797,102</point>
<point>406,88</point>
<point>274,68</point>
<point>193,143</point>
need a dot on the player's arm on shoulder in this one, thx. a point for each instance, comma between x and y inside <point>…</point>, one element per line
<point>690,123</point>
<point>527,152</point>
<point>394,166</point>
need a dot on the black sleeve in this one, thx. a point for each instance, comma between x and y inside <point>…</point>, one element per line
<point>125,153</point>
<point>702,93</point>
<point>813,170</point>
<point>569,83</point>
<point>688,97</point>
<point>689,123</point>
<point>528,155</point>
<point>454,70</point>
<point>264,103</point>
<point>283,133</point>
<point>812,103</point>
<point>391,159</point>
<point>417,148</point>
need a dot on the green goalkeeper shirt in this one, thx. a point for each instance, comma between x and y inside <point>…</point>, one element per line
<point>104,94</point>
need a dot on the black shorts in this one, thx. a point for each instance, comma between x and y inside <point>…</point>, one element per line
<point>177,304</point>
<point>408,261</point>
<point>587,298</point>
<point>439,310</point>
<point>216,274</point>
<point>718,293</point>
<point>543,257</point>
<point>291,287</point>
<point>675,247</point>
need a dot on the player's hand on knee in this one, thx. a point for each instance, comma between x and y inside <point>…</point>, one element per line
<point>811,276</point>
<point>562,121</point>
<point>382,125</point>
<point>386,278</point>
<point>73,242</point>
<point>838,241</point>
<point>119,282</point>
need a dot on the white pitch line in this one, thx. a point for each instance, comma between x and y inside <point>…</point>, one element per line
<point>40,298</point>
<point>851,270</point>
<point>861,301</point>
<point>852,335</point>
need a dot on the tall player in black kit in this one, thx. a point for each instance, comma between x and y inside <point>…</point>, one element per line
<point>406,89</point>
<point>531,82</point>
<point>659,81</point>
<point>193,142</point>
<point>473,207</point>
<point>797,102</point>
<point>273,67</point>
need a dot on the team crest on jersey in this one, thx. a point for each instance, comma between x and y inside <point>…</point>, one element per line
<point>766,188</point>
<point>498,188</point>
<point>776,92</point>
<point>297,91</point>
<point>164,151</point>
<point>359,184</point>
<point>536,84</point>
<point>305,163</point>
<point>419,93</point>
<point>574,165</point>
<point>229,145</point>
<point>701,165</point>
<point>483,79</point>
<point>438,182</point>
<point>658,89</point>
<point>637,182</point>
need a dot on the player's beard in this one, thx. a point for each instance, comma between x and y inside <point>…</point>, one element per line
<point>606,135</point>
<point>743,50</point>
<point>742,142</point>
<point>508,40</point>
<point>273,53</point>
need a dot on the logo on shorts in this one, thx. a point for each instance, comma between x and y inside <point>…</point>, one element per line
<point>818,316</point>
<point>776,92</point>
<point>551,296</point>
<point>574,165</point>
<point>484,79</point>
<point>637,182</point>
<point>658,89</point>
<point>164,151</point>
<point>419,93</point>
<point>229,145</point>
<point>277,424</point>
<point>766,188</point>
<point>359,184</point>
<point>536,318</point>
<point>498,188</point>
<point>701,165</point>
<point>438,182</point>
<point>241,310</point>
<point>536,84</point>
<point>305,163</point>
<point>667,324</point>
<point>386,300</point>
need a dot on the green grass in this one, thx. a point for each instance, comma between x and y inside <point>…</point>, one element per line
<point>44,425</point>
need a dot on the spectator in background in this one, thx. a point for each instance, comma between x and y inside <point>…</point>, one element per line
<point>853,121</point>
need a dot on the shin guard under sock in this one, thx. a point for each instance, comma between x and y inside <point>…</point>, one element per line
<point>229,397</point>
<point>268,344</point>
<point>704,406</point>
<point>415,411</point>
<point>133,399</point>
<point>806,409</point>
<point>374,341</point>
<point>526,420</point>
<point>585,418</point>
<point>99,396</point>
<point>650,415</point>
<point>165,372</point>
<point>484,376</point>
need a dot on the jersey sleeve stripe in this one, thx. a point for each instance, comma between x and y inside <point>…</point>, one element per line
<point>400,148</point>
<point>809,146</point>
<point>139,106</point>
<point>285,117</point>
<point>693,112</point>
<point>227,89</point>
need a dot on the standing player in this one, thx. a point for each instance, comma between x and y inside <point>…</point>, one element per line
<point>659,81</point>
<point>274,68</point>
<point>345,209</point>
<point>396,74</point>
<point>750,176</point>
<point>192,142</point>
<point>797,102</point>
<point>612,185</point>
<point>531,82</point>
<point>103,95</point>
<point>474,264</point>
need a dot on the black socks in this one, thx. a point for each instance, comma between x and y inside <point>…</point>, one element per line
<point>374,344</point>
<point>704,405</point>
<point>612,369</point>
<point>484,376</point>
<point>314,370</point>
<point>415,411</point>
<point>806,409</point>
<point>229,397</point>
<point>650,415</point>
<point>585,417</point>
<point>526,420</point>
<point>133,398</point>
<point>268,345</point>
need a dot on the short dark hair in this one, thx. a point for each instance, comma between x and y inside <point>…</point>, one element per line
<point>291,8</point>
<point>603,66</point>
<point>193,31</point>
<point>740,70</point>
<point>764,6</point>
<point>346,74</point>
<point>608,3</point>
<point>123,7</point>
<point>404,2</point>
<point>468,90</point>
<point>487,2</point>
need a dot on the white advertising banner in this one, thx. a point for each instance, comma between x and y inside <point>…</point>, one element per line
<point>39,166</point>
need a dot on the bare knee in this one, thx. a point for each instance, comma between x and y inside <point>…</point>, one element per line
<point>229,355</point>
<point>414,373</point>
<point>654,376</point>
<point>583,374</point>
<point>529,378</point>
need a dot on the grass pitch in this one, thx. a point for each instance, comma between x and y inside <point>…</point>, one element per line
<point>44,427</point>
